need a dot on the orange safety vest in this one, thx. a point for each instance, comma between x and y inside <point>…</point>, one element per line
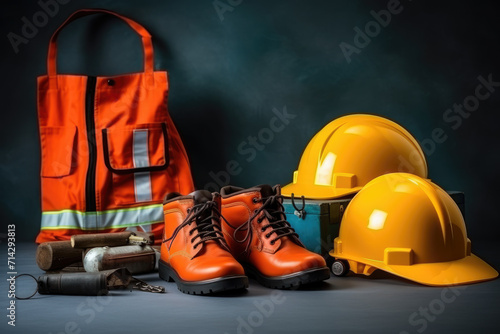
<point>109,149</point>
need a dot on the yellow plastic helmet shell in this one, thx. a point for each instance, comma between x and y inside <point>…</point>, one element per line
<point>410,227</point>
<point>351,151</point>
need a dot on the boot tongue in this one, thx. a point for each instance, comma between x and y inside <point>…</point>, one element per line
<point>266,190</point>
<point>201,196</point>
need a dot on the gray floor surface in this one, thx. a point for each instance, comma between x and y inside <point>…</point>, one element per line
<point>379,304</point>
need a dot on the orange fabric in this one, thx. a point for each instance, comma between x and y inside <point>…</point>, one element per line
<point>284,257</point>
<point>146,39</point>
<point>206,261</point>
<point>120,145</point>
<point>121,104</point>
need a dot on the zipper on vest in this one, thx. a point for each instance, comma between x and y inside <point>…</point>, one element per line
<point>89,118</point>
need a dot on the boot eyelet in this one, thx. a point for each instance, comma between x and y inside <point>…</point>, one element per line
<point>262,229</point>
<point>267,235</point>
<point>254,200</point>
<point>272,242</point>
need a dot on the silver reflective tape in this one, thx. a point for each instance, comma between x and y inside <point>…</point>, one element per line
<point>140,228</point>
<point>69,219</point>
<point>142,180</point>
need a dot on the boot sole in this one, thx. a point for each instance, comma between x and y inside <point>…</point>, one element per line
<point>289,281</point>
<point>206,287</point>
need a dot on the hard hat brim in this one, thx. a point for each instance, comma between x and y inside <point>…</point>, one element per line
<point>470,269</point>
<point>317,191</point>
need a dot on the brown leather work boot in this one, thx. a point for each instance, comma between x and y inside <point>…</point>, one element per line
<point>261,239</point>
<point>194,253</point>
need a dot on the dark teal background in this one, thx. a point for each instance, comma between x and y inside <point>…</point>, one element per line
<point>227,76</point>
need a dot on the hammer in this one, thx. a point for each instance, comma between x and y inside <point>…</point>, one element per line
<point>55,255</point>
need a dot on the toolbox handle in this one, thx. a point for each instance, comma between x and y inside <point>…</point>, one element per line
<point>301,213</point>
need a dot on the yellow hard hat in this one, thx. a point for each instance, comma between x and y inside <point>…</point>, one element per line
<point>410,227</point>
<point>351,151</point>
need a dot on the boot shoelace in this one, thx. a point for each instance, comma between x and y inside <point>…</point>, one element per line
<point>205,227</point>
<point>274,212</point>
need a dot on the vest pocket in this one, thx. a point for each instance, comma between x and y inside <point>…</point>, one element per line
<point>132,155</point>
<point>57,146</point>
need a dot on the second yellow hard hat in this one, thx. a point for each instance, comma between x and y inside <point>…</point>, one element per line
<point>410,227</point>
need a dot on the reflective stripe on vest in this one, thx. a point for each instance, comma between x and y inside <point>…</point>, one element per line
<point>142,180</point>
<point>102,220</point>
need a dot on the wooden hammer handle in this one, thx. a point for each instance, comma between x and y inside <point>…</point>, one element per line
<point>56,255</point>
<point>100,240</point>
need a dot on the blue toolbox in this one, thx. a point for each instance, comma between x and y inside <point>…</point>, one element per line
<point>318,221</point>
